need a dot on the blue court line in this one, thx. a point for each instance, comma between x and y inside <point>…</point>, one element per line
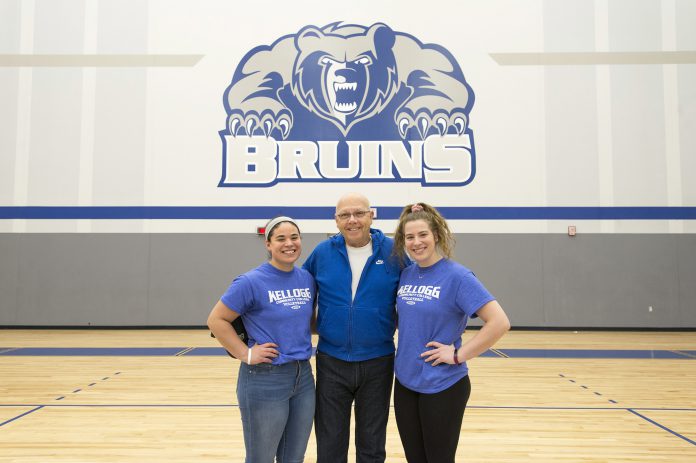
<point>184,351</point>
<point>632,410</point>
<point>523,407</point>
<point>127,405</point>
<point>593,353</point>
<point>39,407</point>
<point>219,351</point>
<point>205,352</point>
<point>661,426</point>
<point>93,351</point>
<point>493,407</point>
<point>525,353</point>
<point>496,352</point>
<point>585,387</point>
<point>326,213</point>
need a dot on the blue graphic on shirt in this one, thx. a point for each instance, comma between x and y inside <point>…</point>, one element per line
<point>277,307</point>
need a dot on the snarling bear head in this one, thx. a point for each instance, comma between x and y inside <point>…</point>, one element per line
<point>345,73</point>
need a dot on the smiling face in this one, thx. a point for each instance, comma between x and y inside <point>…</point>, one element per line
<point>421,243</point>
<point>285,246</point>
<point>354,228</point>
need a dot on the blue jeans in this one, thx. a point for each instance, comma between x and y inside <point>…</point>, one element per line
<point>339,383</point>
<point>277,407</point>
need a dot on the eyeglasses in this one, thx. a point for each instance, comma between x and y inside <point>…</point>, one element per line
<point>343,216</point>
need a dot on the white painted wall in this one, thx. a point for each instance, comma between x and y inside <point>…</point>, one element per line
<point>579,135</point>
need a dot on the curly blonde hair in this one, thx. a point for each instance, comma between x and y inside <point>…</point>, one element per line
<point>436,222</point>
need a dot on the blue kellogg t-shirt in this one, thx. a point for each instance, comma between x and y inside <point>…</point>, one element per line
<point>276,306</point>
<point>434,304</point>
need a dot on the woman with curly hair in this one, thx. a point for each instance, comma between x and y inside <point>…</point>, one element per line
<point>436,297</point>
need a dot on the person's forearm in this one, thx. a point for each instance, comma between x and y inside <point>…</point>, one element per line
<point>227,336</point>
<point>486,337</point>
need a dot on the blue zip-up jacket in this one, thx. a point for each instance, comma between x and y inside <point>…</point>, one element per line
<point>360,329</point>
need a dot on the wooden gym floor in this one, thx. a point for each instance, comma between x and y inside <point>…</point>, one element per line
<point>168,395</point>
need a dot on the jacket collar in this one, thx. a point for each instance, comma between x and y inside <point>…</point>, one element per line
<point>377,238</point>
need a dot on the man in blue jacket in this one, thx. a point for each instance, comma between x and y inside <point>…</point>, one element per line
<point>357,279</point>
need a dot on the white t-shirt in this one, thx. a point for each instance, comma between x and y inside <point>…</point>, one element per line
<point>357,258</point>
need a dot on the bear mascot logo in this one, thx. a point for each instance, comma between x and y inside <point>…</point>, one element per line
<point>347,103</point>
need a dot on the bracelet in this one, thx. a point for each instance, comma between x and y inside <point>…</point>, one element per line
<point>456,357</point>
<point>249,355</point>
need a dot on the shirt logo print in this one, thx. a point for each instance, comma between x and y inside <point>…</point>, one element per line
<point>292,298</point>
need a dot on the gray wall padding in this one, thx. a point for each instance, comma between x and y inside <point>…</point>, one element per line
<point>542,280</point>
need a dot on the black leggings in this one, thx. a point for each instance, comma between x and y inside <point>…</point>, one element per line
<point>429,424</point>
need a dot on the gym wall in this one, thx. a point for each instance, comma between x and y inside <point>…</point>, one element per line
<point>142,143</point>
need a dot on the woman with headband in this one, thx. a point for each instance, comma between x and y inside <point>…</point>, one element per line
<point>436,297</point>
<point>275,386</point>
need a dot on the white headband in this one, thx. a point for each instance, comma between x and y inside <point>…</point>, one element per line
<point>276,221</point>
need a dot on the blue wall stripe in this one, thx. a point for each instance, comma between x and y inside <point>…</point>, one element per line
<point>307,212</point>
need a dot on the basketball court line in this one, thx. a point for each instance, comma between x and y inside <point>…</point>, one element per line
<point>39,407</point>
<point>639,412</point>
<point>634,411</point>
<point>662,427</point>
<point>219,351</point>
<point>481,407</point>
<point>599,394</point>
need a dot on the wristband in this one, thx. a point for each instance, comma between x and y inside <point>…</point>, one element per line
<point>248,355</point>
<point>456,357</point>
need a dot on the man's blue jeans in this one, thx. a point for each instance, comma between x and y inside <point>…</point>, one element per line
<point>277,407</point>
<point>339,383</point>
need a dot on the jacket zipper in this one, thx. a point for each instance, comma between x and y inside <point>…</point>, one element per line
<point>369,260</point>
